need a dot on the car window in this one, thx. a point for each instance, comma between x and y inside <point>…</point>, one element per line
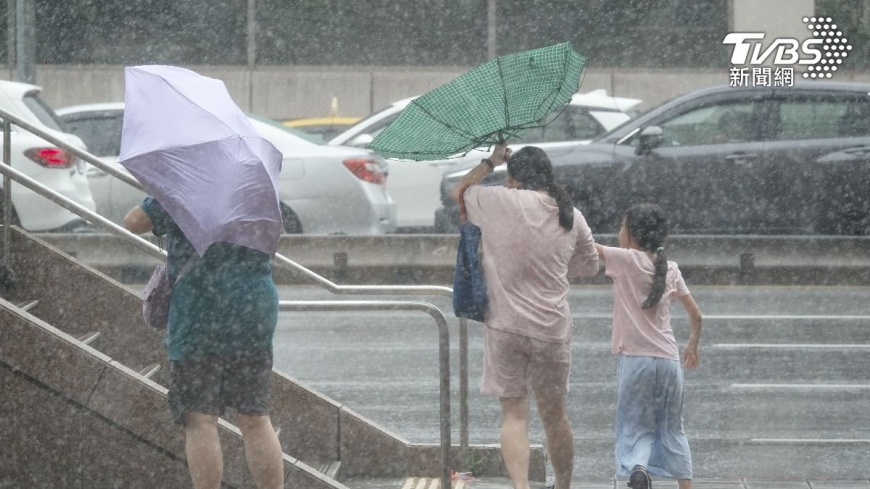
<point>102,134</point>
<point>574,123</point>
<point>42,111</point>
<point>712,124</point>
<point>311,138</point>
<point>376,128</point>
<point>821,118</point>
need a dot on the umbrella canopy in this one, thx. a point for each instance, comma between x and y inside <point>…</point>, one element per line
<point>498,100</point>
<point>195,151</point>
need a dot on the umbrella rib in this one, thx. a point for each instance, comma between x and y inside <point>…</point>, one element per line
<point>507,122</point>
<point>550,109</point>
<point>457,130</point>
<point>555,92</point>
<point>179,92</point>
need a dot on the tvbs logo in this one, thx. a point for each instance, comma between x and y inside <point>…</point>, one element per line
<point>821,54</point>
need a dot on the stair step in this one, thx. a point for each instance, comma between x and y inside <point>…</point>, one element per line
<point>330,469</point>
<point>90,337</point>
<point>456,483</point>
<point>27,306</point>
<point>150,370</point>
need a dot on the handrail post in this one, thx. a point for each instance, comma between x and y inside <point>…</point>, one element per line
<point>7,190</point>
<point>463,390</point>
<point>443,354</point>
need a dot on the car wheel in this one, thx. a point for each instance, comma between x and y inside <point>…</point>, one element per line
<point>15,220</point>
<point>291,221</point>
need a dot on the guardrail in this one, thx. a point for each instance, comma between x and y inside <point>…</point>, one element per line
<point>10,174</point>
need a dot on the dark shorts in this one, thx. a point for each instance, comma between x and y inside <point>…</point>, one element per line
<point>210,384</point>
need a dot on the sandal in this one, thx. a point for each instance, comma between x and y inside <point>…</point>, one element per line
<point>639,479</point>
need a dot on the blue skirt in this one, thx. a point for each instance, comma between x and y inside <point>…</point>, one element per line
<point>649,418</point>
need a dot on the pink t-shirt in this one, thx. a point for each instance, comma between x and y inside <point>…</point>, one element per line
<point>638,331</point>
<point>527,258</point>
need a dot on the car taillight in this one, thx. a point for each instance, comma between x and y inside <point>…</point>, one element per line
<point>51,157</point>
<point>366,170</point>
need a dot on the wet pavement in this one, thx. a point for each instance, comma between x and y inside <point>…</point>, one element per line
<point>782,398</point>
<point>429,483</point>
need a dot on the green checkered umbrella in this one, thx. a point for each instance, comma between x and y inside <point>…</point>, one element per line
<point>498,100</point>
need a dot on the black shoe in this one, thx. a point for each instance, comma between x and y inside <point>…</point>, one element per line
<point>639,479</point>
<point>549,486</point>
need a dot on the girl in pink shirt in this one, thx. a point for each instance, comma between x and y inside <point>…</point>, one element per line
<point>649,406</point>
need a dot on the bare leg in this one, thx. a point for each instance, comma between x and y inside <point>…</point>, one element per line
<point>262,450</point>
<point>684,483</point>
<point>560,437</point>
<point>515,439</point>
<point>205,461</point>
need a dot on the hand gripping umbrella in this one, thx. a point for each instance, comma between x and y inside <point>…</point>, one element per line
<point>500,99</point>
<point>195,151</point>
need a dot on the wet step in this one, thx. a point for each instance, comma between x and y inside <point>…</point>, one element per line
<point>28,306</point>
<point>90,338</point>
<point>150,370</point>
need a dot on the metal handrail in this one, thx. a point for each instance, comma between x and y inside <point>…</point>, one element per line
<point>330,286</point>
<point>153,250</point>
<point>443,352</point>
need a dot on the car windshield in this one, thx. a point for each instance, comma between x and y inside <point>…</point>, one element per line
<point>42,111</point>
<point>312,138</point>
<point>102,134</point>
<point>571,124</point>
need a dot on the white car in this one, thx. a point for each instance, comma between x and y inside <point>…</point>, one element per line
<point>44,162</point>
<point>323,189</point>
<point>415,185</point>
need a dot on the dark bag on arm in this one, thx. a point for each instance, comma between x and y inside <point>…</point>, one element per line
<point>158,295</point>
<point>469,289</point>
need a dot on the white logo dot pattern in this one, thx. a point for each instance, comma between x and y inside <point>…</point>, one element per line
<point>834,46</point>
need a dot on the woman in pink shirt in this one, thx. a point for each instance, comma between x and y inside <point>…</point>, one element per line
<point>649,406</point>
<point>532,240</point>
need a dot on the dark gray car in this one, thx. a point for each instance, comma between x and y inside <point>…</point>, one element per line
<point>727,160</point>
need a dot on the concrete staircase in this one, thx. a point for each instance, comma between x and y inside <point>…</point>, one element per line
<point>84,401</point>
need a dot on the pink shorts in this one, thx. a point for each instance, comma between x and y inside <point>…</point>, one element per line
<point>514,364</point>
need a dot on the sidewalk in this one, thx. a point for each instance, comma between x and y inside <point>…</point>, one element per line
<point>503,483</point>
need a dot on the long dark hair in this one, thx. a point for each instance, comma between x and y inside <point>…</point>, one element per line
<point>647,225</point>
<point>531,167</point>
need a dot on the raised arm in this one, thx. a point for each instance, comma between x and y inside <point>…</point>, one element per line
<point>691,359</point>
<point>500,154</point>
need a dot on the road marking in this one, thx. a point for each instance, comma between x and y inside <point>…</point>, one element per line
<point>786,316</point>
<point>430,483</point>
<point>835,346</point>
<point>802,386</point>
<point>748,316</point>
<point>800,441</point>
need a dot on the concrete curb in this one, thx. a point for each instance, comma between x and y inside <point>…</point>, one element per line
<point>430,259</point>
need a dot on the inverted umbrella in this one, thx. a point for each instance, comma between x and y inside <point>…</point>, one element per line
<point>501,99</point>
<point>195,151</point>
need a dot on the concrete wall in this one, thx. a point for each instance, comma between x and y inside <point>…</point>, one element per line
<point>776,18</point>
<point>430,259</point>
<point>306,91</point>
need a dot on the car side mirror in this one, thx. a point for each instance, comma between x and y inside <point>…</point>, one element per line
<point>650,138</point>
<point>362,141</point>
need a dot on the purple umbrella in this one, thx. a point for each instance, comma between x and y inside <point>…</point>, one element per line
<point>194,150</point>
